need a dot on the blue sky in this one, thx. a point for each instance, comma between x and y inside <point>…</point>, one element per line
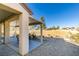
<point>56,14</point>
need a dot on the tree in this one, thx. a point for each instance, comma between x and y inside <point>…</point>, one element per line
<point>54,28</point>
<point>43,20</point>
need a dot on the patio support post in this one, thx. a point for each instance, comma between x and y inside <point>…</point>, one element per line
<point>24,34</point>
<point>41,31</point>
<point>6,31</point>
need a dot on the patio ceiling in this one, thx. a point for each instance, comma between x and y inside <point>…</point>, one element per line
<point>33,21</point>
<point>4,15</point>
<point>7,12</point>
<point>9,9</point>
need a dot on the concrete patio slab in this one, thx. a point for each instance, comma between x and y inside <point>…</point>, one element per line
<point>56,47</point>
<point>52,47</point>
<point>32,44</point>
<point>7,51</point>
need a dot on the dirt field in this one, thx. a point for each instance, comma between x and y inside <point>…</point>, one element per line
<point>54,33</point>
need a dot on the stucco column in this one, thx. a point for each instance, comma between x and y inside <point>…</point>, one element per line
<point>41,32</point>
<point>24,34</point>
<point>6,32</point>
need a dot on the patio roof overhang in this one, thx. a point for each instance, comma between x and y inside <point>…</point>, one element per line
<point>24,5</point>
<point>7,12</point>
<point>33,21</point>
<point>9,9</point>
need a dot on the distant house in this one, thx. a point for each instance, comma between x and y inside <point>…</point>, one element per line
<point>68,28</point>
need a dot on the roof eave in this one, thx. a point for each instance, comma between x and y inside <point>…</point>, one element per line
<point>26,8</point>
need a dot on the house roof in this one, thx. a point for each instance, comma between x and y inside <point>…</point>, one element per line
<point>26,8</point>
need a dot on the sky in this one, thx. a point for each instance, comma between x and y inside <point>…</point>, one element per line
<point>56,14</point>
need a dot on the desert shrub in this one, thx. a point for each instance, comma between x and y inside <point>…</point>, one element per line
<point>75,37</point>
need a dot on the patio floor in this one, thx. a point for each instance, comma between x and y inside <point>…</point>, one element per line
<point>7,51</point>
<point>51,47</point>
<point>32,43</point>
<point>56,47</point>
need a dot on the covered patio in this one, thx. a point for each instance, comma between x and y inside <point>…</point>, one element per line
<point>33,42</point>
<point>22,44</point>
